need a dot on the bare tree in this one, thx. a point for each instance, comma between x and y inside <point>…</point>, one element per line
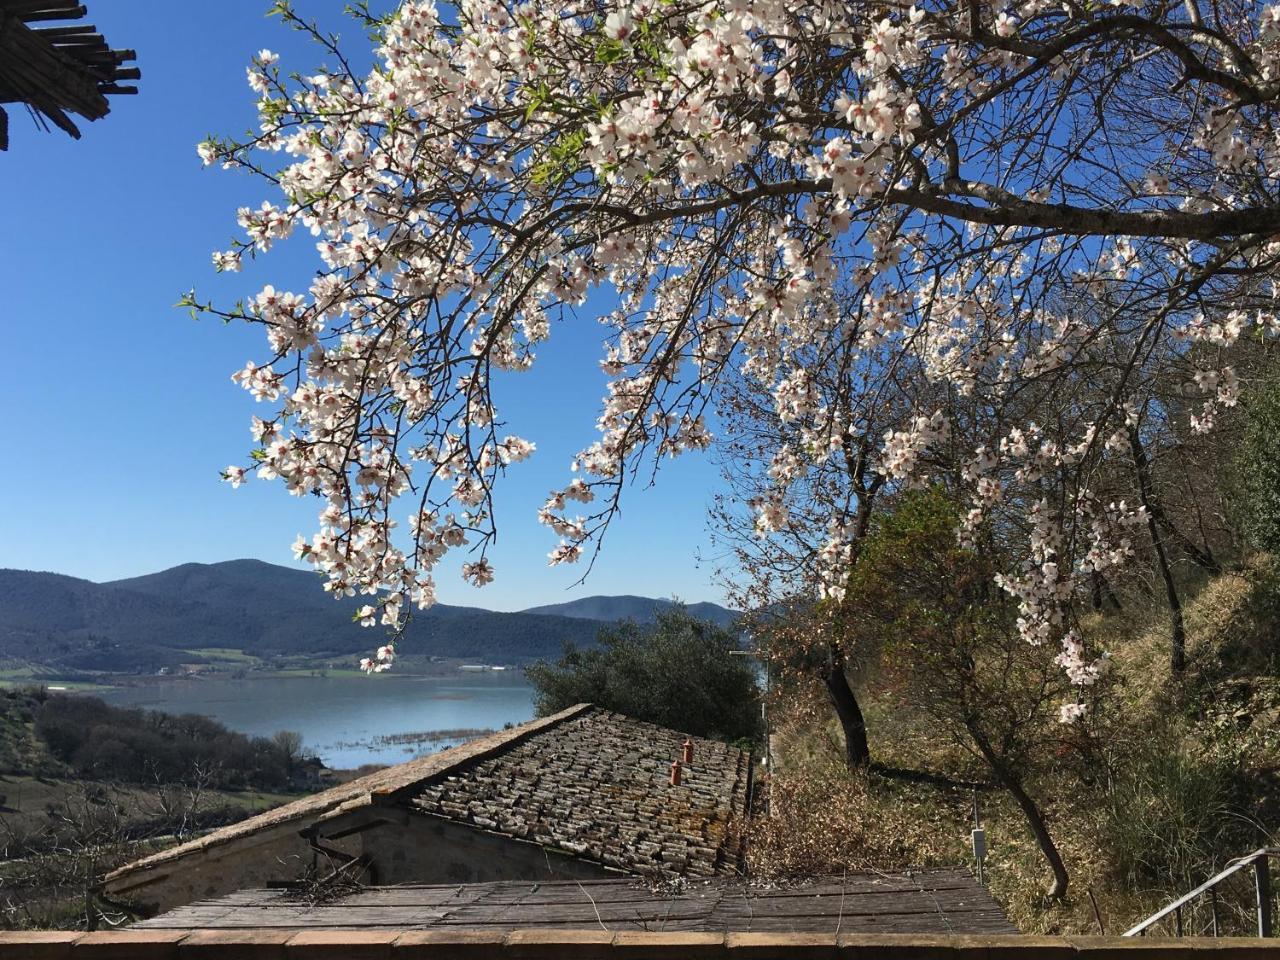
<point>51,875</point>
<point>289,745</point>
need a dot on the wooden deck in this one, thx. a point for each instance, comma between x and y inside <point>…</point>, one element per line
<point>931,902</point>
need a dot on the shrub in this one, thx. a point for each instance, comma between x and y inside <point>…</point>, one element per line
<point>1169,820</point>
<point>681,673</point>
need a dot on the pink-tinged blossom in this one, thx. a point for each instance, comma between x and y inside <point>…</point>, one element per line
<point>565,553</point>
<point>771,516</point>
<point>1072,712</point>
<point>478,574</point>
<point>227,261</point>
<point>619,25</point>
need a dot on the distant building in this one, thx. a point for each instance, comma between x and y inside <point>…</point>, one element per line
<point>584,793</point>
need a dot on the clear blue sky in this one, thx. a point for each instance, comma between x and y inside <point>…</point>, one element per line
<point>118,410</point>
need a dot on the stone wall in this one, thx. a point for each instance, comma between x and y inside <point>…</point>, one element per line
<point>400,847</point>
<point>422,849</point>
<point>275,853</point>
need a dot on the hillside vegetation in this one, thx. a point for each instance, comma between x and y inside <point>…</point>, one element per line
<point>71,736</point>
<point>85,787</point>
<point>1175,778</point>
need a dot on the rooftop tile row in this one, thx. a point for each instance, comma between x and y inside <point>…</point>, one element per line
<point>598,786</point>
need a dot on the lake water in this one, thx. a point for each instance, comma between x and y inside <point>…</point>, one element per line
<point>345,720</point>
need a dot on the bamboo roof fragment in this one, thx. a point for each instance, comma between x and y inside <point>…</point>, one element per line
<point>57,71</point>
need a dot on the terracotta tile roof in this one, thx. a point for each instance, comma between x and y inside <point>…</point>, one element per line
<point>597,786</point>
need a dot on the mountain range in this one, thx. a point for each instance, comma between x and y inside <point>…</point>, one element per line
<point>144,623</point>
<point>626,607</point>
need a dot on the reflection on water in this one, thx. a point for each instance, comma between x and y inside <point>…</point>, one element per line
<point>349,721</point>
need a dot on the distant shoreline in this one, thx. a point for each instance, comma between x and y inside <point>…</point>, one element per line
<point>106,682</point>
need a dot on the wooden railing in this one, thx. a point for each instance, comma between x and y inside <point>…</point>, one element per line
<point>399,944</point>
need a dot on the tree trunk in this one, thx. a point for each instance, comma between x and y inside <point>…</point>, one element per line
<point>1102,593</point>
<point>856,751</point>
<point>1178,645</point>
<point>1034,818</point>
<point>1178,629</point>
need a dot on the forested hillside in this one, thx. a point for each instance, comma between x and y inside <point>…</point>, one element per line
<point>146,623</point>
<point>54,735</point>
<point>150,622</point>
<point>86,787</point>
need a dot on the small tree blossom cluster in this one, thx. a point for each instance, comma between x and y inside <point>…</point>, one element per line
<point>761,190</point>
<point>386,654</point>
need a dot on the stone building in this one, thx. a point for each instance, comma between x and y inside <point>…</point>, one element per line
<point>584,793</point>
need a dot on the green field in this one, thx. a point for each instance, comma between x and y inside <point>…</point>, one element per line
<point>222,655</point>
<point>53,683</point>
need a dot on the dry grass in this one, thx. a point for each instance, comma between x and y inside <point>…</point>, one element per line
<point>1138,638</point>
<point>824,819</point>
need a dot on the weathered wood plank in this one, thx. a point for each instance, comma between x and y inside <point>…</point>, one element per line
<point>932,901</point>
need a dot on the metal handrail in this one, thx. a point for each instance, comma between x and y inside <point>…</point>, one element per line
<point>1258,860</point>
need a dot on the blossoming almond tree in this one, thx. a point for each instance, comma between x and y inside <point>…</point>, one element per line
<point>799,500</point>
<point>1003,193</point>
<point>819,506</point>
